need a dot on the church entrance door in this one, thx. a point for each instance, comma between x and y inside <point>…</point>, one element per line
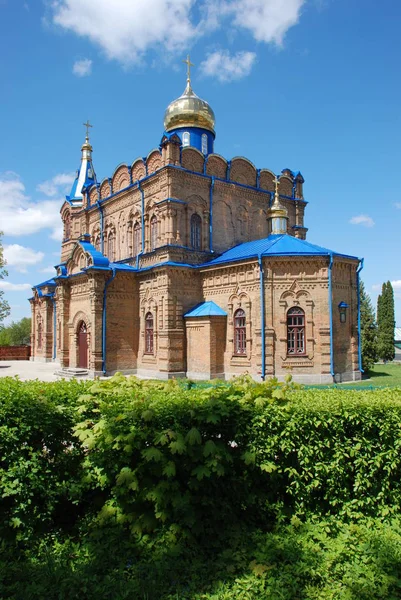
<point>82,346</point>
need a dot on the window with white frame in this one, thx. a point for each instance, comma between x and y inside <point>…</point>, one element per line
<point>204,143</point>
<point>185,138</point>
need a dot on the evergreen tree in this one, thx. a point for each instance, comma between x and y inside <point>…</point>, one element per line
<point>368,330</point>
<point>4,306</point>
<point>385,323</point>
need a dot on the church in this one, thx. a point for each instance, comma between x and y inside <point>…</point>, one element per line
<point>186,264</point>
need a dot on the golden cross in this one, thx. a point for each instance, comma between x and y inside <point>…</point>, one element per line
<point>276,182</point>
<point>189,65</point>
<point>87,125</point>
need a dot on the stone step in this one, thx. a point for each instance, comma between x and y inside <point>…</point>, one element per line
<point>71,373</point>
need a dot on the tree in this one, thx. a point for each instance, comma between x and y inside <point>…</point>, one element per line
<point>386,323</point>
<point>4,306</point>
<point>17,333</point>
<point>368,330</point>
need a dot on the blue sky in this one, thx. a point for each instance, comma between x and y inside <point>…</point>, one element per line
<point>307,84</point>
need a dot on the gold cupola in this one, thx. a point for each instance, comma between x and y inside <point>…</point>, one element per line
<point>189,110</point>
<point>277,213</point>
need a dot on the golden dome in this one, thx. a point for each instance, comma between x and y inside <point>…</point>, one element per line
<point>189,111</point>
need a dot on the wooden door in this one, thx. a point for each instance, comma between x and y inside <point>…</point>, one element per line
<point>82,346</point>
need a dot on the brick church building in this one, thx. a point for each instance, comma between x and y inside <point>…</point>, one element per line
<point>188,264</point>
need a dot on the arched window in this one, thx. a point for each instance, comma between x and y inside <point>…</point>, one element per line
<point>196,232</point>
<point>185,138</point>
<point>204,143</point>
<point>111,248</point>
<point>149,333</point>
<point>239,332</point>
<point>39,338</point>
<point>137,239</point>
<point>153,232</point>
<point>67,227</point>
<point>296,331</point>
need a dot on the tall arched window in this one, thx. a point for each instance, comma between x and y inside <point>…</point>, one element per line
<point>239,332</point>
<point>296,331</point>
<point>153,232</point>
<point>111,251</point>
<point>196,232</point>
<point>39,337</point>
<point>137,239</point>
<point>204,143</point>
<point>149,334</point>
<point>67,227</point>
<point>185,138</point>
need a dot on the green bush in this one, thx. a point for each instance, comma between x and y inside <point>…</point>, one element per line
<point>133,489</point>
<point>40,458</point>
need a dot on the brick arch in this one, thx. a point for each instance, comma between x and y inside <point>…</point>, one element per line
<point>243,171</point>
<point>80,316</point>
<point>138,170</point>
<point>216,165</point>
<point>121,178</point>
<point>105,190</point>
<point>286,186</point>
<point>94,195</point>
<point>266,180</point>
<point>192,159</point>
<point>298,297</point>
<point>153,161</point>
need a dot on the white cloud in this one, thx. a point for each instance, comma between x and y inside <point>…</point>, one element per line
<point>228,67</point>
<point>267,20</point>
<point>57,185</point>
<point>21,257</point>
<point>19,214</point>
<point>82,68</point>
<point>396,284</point>
<point>125,29</point>
<point>48,269</point>
<point>362,220</point>
<point>397,205</point>
<point>14,287</point>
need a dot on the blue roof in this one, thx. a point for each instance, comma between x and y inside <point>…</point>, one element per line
<point>206,309</point>
<point>44,283</point>
<point>274,245</point>
<point>99,260</point>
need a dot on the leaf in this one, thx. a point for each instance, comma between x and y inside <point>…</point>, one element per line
<point>210,448</point>
<point>249,458</point>
<point>278,394</point>
<point>152,454</point>
<point>147,415</point>
<point>126,476</point>
<point>268,467</point>
<point>201,472</point>
<point>193,436</point>
<point>169,469</point>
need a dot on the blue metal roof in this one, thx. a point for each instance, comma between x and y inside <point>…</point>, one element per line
<point>99,260</point>
<point>274,245</point>
<point>45,283</point>
<point>206,309</point>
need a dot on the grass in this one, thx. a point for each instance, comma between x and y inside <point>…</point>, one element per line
<point>382,375</point>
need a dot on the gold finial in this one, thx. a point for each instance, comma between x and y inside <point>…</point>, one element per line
<point>87,125</point>
<point>189,65</point>
<point>276,182</point>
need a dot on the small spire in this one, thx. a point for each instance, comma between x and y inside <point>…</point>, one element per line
<point>278,214</point>
<point>189,65</point>
<point>87,125</point>
<point>86,147</point>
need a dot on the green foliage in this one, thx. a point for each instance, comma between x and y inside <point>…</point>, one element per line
<point>368,330</point>
<point>17,333</point>
<point>136,489</point>
<point>386,323</point>
<point>4,306</point>
<point>40,461</point>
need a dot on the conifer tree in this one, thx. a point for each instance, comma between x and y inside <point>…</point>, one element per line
<point>385,323</point>
<point>368,330</point>
<point>4,306</point>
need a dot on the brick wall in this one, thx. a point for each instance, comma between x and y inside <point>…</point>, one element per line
<point>15,352</point>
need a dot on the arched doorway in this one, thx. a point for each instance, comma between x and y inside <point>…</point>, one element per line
<point>82,346</point>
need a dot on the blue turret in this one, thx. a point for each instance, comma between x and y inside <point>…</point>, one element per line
<point>86,175</point>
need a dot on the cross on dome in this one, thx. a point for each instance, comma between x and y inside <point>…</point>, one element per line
<point>87,125</point>
<point>189,65</point>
